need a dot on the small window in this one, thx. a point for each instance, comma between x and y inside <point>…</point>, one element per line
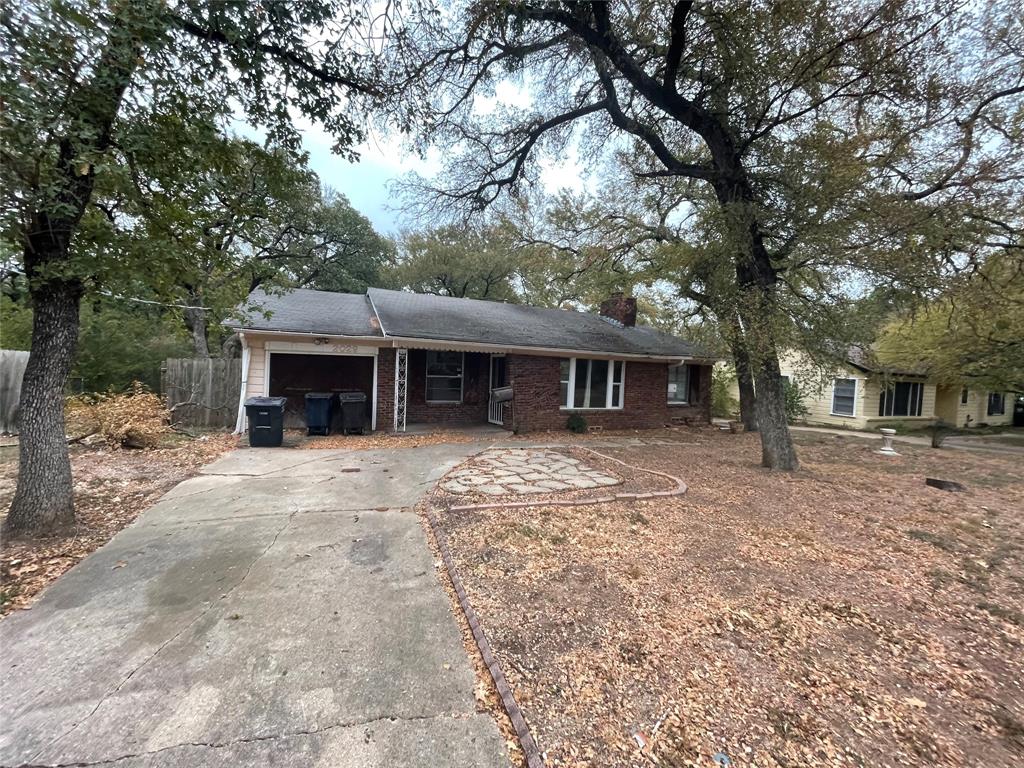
<point>593,384</point>
<point>904,398</point>
<point>679,384</point>
<point>444,377</point>
<point>844,397</point>
<point>996,404</point>
<point>963,396</point>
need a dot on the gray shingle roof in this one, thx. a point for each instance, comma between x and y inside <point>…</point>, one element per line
<point>425,316</point>
<point>442,318</point>
<point>305,311</point>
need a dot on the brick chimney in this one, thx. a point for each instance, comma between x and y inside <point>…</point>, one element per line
<point>621,309</point>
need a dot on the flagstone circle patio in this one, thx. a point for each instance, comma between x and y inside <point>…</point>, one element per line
<point>510,471</point>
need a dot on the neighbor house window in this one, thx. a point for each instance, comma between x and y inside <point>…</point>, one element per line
<point>903,398</point>
<point>444,377</point>
<point>592,383</point>
<point>844,397</point>
<point>996,404</point>
<point>963,396</point>
<point>679,384</point>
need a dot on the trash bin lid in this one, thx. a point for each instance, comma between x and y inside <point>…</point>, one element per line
<point>266,402</point>
<point>319,395</point>
<point>352,396</point>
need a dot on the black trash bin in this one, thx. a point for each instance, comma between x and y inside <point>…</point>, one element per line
<point>266,421</point>
<point>319,412</point>
<point>353,412</point>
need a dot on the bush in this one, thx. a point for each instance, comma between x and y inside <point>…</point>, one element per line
<point>576,423</point>
<point>794,401</point>
<point>723,404</point>
<point>133,419</point>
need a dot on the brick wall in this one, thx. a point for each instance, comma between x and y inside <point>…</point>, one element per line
<point>386,390</point>
<point>537,404</point>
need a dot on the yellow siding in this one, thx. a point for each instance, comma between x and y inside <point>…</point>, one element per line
<point>975,410</point>
<point>816,387</point>
<point>256,384</point>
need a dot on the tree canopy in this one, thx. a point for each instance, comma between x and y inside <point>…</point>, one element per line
<point>972,336</point>
<point>809,147</point>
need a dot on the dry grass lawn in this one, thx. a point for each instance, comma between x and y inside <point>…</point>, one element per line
<point>843,615</point>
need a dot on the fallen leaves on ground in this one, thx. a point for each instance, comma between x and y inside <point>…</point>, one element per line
<point>112,487</point>
<point>845,614</point>
<point>377,440</point>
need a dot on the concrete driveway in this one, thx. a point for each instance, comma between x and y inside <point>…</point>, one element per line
<point>279,609</point>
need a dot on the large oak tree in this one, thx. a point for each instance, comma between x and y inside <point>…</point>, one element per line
<point>80,79</point>
<point>818,138</point>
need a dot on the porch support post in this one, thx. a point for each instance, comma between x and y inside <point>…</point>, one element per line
<point>401,379</point>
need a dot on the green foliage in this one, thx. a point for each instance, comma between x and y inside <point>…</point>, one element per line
<point>723,404</point>
<point>576,423</point>
<point>794,401</point>
<point>15,324</point>
<point>970,336</point>
<point>473,263</point>
<point>119,342</point>
<point>117,121</point>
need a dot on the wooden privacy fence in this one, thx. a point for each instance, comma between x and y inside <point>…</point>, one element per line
<point>12,369</point>
<point>202,392</point>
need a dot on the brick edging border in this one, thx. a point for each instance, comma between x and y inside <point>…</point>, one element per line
<point>508,699</point>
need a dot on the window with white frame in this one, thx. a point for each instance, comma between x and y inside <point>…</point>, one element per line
<point>591,384</point>
<point>844,397</point>
<point>444,377</point>
<point>902,398</point>
<point>679,384</point>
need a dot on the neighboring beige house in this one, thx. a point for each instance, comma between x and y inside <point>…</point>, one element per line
<point>860,394</point>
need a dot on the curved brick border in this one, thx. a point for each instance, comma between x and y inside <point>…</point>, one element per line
<point>679,490</point>
<point>508,699</point>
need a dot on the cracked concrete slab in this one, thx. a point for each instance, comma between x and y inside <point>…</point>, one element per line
<point>254,619</point>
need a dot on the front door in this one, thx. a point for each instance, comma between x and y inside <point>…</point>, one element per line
<point>499,378</point>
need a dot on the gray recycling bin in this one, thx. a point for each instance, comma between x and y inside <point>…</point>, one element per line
<point>319,412</point>
<point>266,421</point>
<point>353,412</point>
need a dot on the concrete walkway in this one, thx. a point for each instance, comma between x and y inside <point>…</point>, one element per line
<point>280,609</point>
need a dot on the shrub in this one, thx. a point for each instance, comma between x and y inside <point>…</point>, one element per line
<point>576,423</point>
<point>794,401</point>
<point>723,404</point>
<point>133,419</point>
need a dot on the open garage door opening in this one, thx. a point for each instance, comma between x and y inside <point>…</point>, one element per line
<point>293,375</point>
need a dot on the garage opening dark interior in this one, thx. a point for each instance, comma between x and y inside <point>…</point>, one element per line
<point>292,376</point>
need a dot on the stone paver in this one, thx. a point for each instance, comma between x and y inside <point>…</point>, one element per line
<point>510,471</point>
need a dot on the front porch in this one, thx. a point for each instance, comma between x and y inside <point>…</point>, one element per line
<point>444,387</point>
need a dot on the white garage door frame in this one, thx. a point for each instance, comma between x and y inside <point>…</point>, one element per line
<point>335,350</point>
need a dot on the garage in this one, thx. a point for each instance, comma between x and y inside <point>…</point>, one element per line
<point>293,374</point>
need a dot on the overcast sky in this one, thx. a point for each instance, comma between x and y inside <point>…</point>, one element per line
<point>383,159</point>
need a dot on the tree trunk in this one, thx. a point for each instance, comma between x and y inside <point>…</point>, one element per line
<point>43,501</point>
<point>195,321</point>
<point>777,451</point>
<point>745,381</point>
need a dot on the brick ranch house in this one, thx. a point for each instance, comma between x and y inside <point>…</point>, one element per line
<point>440,360</point>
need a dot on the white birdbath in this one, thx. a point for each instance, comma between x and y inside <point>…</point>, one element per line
<point>887,449</point>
